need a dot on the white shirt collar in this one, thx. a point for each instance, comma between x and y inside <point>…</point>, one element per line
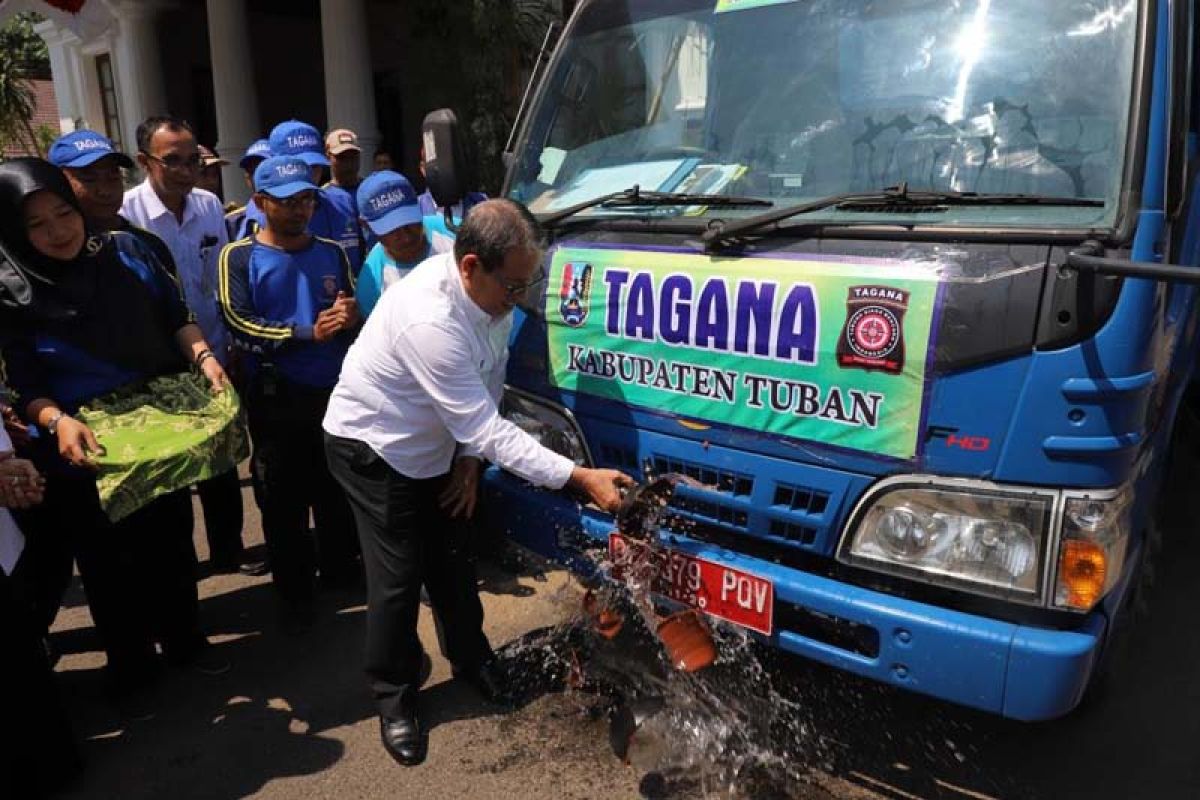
<point>155,208</point>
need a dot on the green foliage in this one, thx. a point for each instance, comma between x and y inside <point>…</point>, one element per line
<point>21,45</point>
<point>22,54</point>
<point>497,40</point>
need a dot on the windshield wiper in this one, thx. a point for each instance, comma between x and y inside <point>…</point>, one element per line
<point>634,196</point>
<point>894,197</point>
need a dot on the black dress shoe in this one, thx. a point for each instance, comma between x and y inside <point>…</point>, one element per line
<point>403,739</point>
<point>490,680</point>
<point>253,569</point>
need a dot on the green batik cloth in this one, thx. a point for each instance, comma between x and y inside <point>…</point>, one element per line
<point>161,435</point>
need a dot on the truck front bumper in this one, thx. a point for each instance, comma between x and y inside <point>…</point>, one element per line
<point>1018,671</point>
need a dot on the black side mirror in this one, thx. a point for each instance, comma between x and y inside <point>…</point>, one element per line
<point>447,169</point>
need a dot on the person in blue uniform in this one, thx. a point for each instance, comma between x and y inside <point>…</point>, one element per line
<point>332,217</point>
<point>288,298</point>
<point>389,209</point>
<point>255,154</point>
<point>83,313</point>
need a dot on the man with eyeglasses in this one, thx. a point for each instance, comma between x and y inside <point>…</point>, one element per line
<point>414,415</point>
<point>191,222</point>
<point>288,298</point>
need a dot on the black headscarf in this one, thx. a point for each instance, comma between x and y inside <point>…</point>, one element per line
<point>34,285</point>
<point>93,300</point>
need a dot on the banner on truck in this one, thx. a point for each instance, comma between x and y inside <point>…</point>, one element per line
<point>827,351</point>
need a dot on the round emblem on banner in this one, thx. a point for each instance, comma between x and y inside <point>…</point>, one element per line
<point>873,331</point>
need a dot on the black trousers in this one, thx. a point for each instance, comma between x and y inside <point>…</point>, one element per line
<point>221,500</point>
<point>292,477</point>
<point>139,574</point>
<point>37,749</point>
<point>408,541</point>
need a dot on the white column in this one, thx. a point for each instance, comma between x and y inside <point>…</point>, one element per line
<point>138,65</point>
<point>349,88</point>
<point>62,46</point>
<point>238,121</point>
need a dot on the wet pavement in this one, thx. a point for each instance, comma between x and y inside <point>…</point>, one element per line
<point>293,718</point>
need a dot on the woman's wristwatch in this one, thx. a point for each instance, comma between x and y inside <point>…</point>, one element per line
<point>52,423</point>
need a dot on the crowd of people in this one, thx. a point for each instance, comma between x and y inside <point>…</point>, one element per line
<point>367,342</point>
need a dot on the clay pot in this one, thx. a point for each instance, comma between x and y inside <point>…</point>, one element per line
<point>688,641</point>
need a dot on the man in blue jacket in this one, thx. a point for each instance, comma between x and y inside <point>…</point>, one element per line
<point>288,298</point>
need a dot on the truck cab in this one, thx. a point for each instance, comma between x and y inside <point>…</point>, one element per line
<point>822,259</point>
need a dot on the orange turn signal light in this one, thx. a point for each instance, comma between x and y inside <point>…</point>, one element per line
<point>1082,569</point>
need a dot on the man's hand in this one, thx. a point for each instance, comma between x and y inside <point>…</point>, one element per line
<point>462,489</point>
<point>602,486</point>
<point>76,443</point>
<point>20,484</point>
<point>329,324</point>
<point>350,306</point>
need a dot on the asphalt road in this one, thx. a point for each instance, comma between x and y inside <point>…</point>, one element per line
<point>293,717</point>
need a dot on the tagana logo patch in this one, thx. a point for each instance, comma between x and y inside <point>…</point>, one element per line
<point>290,170</point>
<point>302,141</point>
<point>387,200</point>
<point>89,144</point>
<point>574,294</point>
<point>873,336</point>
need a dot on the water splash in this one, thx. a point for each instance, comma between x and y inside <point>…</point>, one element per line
<point>726,730</point>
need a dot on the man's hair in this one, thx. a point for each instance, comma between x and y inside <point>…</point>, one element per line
<point>494,228</point>
<point>152,125</point>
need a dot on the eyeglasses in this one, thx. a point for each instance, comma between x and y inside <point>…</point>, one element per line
<point>513,291</point>
<point>176,163</point>
<point>299,200</point>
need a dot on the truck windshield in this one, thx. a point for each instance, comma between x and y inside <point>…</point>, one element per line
<point>795,100</point>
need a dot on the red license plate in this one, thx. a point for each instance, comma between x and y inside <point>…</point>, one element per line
<point>730,594</point>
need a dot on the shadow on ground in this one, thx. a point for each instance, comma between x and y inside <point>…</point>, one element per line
<point>267,718</point>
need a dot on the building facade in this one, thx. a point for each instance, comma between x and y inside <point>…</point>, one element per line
<point>234,68</point>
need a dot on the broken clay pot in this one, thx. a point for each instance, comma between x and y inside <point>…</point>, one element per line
<point>688,641</point>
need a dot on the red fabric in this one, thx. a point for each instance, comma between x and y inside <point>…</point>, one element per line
<point>70,6</point>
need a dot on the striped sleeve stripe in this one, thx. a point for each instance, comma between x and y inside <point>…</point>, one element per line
<point>243,325</point>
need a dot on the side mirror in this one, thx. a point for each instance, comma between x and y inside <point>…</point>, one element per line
<point>447,170</point>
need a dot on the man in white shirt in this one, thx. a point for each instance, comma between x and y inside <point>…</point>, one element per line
<point>191,222</point>
<point>407,428</point>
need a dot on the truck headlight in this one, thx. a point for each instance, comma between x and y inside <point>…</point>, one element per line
<point>552,425</point>
<point>980,539</point>
<point>1092,549</point>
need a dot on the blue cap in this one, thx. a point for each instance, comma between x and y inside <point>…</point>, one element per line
<point>387,201</point>
<point>83,147</point>
<point>260,149</point>
<point>283,176</point>
<point>299,139</point>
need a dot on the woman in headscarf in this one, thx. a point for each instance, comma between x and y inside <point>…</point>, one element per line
<point>82,314</point>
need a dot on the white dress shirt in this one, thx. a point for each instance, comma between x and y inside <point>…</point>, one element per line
<point>425,376</point>
<point>12,542</point>
<point>195,244</point>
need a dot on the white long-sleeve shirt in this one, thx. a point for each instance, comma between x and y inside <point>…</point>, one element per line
<point>195,244</point>
<point>425,375</point>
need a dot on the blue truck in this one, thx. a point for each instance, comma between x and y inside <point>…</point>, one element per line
<point>904,289</point>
